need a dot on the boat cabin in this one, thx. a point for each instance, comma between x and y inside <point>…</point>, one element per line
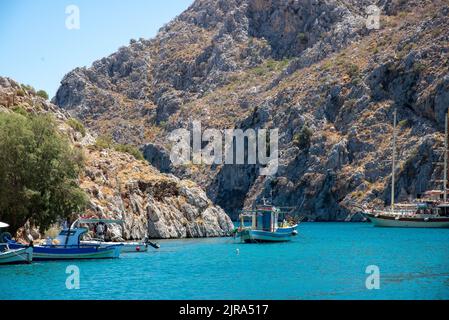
<point>69,237</point>
<point>432,208</point>
<point>263,218</point>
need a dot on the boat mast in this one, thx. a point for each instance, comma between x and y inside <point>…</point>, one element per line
<point>445,158</point>
<point>393,167</point>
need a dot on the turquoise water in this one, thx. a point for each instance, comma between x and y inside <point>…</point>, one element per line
<point>325,261</point>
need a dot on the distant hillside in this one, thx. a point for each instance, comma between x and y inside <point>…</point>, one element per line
<point>292,65</point>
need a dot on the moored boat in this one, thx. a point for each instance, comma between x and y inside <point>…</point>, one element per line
<point>14,256</point>
<point>265,225</point>
<point>100,230</point>
<point>67,246</point>
<point>428,214</point>
<point>127,247</point>
<point>430,211</point>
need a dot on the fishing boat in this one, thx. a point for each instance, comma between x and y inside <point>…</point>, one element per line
<point>100,231</point>
<point>67,246</point>
<point>14,256</point>
<point>431,210</point>
<point>265,225</point>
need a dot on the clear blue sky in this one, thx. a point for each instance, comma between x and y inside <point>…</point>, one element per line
<point>36,48</point>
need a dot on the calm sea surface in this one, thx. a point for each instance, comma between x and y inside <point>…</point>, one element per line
<point>325,261</point>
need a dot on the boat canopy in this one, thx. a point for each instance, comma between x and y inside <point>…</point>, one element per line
<point>69,237</point>
<point>4,225</point>
<point>94,221</point>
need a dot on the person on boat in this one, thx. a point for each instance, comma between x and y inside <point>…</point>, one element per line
<point>100,230</point>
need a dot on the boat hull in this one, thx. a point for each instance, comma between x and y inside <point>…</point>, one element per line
<point>17,256</point>
<point>407,222</point>
<point>42,253</point>
<point>290,230</point>
<point>127,247</point>
<point>255,236</point>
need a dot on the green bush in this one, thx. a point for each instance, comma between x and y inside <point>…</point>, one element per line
<point>303,38</point>
<point>106,142</point>
<point>77,125</point>
<point>28,88</point>
<point>352,70</point>
<point>42,94</point>
<point>39,172</point>
<point>20,110</point>
<point>130,149</point>
<point>303,138</point>
<point>403,123</point>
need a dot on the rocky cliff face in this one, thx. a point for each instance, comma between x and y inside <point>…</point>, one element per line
<point>160,206</point>
<point>120,187</point>
<point>289,65</point>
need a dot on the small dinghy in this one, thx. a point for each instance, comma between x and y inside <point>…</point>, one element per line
<point>100,231</point>
<point>14,256</point>
<point>17,256</point>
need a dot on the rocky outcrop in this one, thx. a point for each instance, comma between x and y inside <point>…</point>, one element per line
<point>291,65</point>
<point>150,203</point>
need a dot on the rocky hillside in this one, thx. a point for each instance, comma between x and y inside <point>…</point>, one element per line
<point>310,68</point>
<point>121,187</point>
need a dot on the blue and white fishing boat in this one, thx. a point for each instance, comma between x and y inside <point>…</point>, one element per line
<point>265,225</point>
<point>67,246</point>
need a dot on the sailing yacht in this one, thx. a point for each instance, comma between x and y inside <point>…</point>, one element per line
<point>430,211</point>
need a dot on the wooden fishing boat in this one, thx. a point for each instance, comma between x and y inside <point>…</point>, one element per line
<point>265,225</point>
<point>16,256</point>
<point>67,246</point>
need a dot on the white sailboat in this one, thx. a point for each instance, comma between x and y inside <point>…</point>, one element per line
<point>432,211</point>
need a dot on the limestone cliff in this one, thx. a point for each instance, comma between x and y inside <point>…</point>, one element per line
<point>120,187</point>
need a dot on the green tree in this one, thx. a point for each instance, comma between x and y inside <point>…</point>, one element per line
<point>39,172</point>
<point>42,94</point>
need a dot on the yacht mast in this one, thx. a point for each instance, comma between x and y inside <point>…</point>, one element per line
<point>393,167</point>
<point>445,158</point>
